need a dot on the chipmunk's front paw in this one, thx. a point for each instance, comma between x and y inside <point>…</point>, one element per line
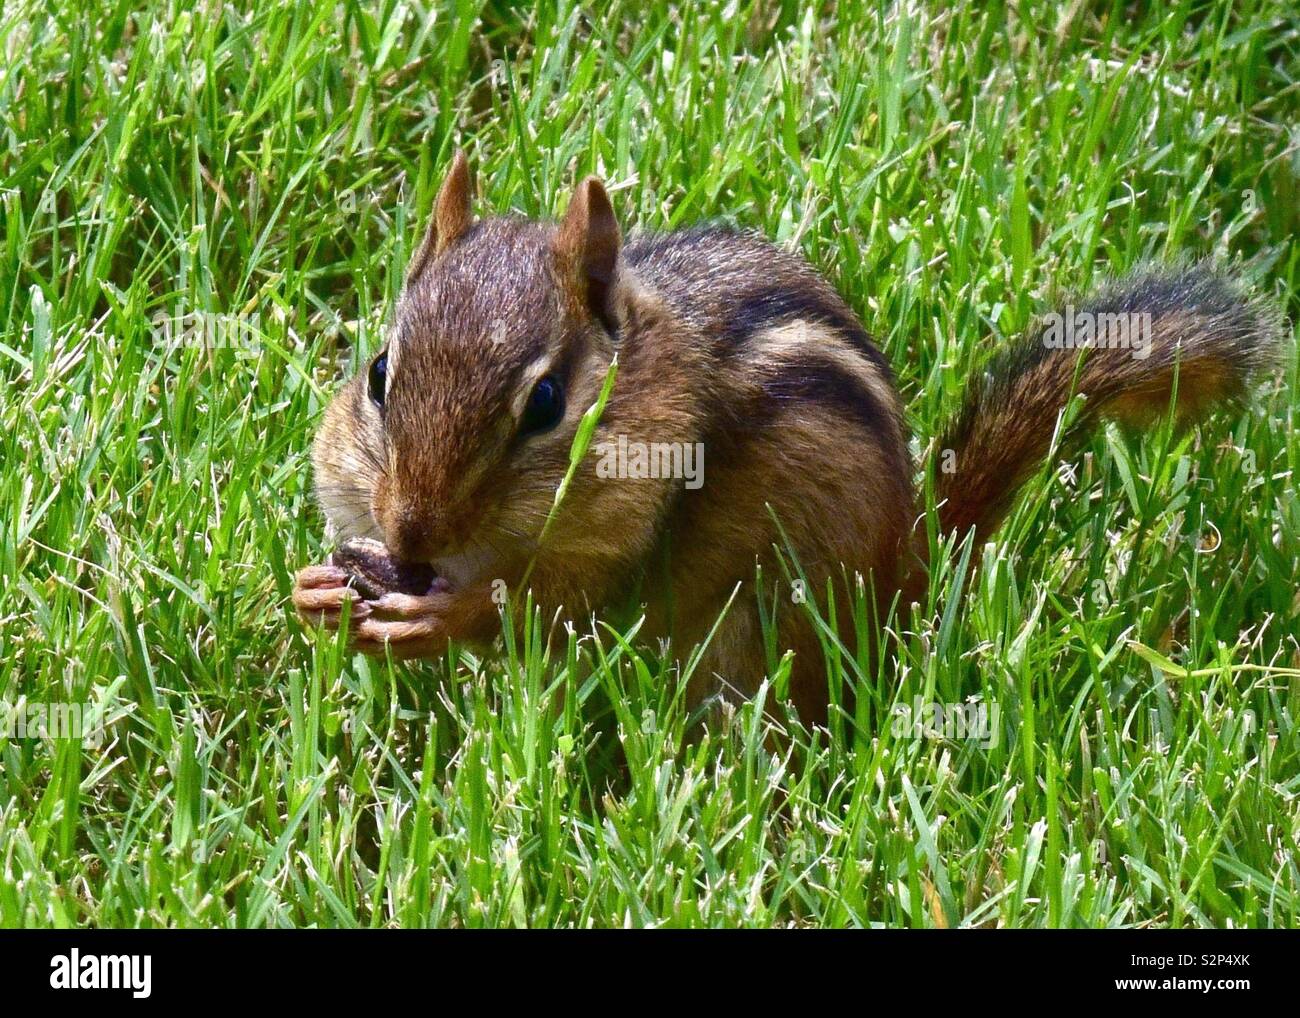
<point>319,593</point>
<point>407,625</point>
<point>395,608</point>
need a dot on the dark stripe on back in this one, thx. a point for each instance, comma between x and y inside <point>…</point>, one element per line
<point>736,283</point>
<point>820,381</point>
<point>779,305</point>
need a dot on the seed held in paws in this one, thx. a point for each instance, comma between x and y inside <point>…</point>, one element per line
<point>374,572</point>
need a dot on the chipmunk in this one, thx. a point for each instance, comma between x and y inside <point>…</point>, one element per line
<point>450,446</point>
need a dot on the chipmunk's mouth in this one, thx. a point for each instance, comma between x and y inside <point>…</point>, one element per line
<point>374,571</point>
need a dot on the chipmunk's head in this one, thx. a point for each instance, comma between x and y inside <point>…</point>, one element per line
<point>450,445</point>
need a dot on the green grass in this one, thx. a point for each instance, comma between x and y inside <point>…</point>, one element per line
<point>949,171</point>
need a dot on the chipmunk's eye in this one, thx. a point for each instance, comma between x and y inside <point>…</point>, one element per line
<point>379,378</point>
<point>545,407</point>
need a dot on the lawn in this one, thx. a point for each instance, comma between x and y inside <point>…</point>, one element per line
<point>206,216</point>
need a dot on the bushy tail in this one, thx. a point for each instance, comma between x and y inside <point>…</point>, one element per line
<point>1188,323</point>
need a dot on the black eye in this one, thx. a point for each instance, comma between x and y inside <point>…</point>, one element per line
<point>545,407</point>
<point>379,378</point>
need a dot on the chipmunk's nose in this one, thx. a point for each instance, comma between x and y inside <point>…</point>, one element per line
<point>417,535</point>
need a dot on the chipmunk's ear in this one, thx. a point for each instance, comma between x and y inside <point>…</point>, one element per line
<point>452,216</point>
<point>588,245</point>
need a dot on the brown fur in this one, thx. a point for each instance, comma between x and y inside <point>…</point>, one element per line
<point>721,339</point>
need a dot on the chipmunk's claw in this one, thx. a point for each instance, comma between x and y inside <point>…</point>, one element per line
<point>320,576</point>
